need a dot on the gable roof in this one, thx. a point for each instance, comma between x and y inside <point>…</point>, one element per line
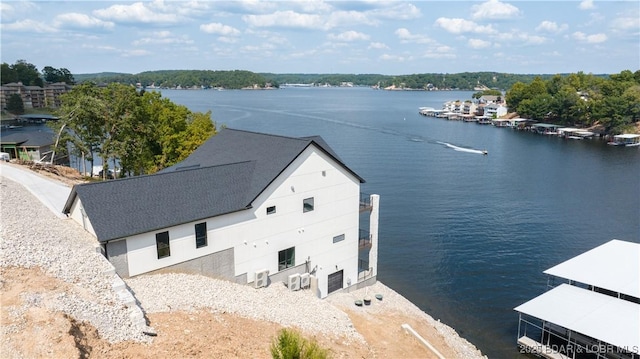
<point>27,138</point>
<point>271,153</point>
<point>224,175</point>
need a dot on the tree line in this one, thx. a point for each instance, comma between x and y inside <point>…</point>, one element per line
<point>241,79</point>
<point>139,132</point>
<point>580,100</point>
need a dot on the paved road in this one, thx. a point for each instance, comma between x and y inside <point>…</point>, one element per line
<point>51,193</point>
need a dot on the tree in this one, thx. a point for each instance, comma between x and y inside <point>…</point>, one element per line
<point>27,73</point>
<point>15,104</point>
<point>52,75</point>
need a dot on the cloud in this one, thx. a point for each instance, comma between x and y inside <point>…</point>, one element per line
<point>478,43</point>
<point>349,36</point>
<point>10,11</point>
<point>163,37</point>
<point>28,26</point>
<point>136,13</point>
<point>219,29</point>
<point>377,45</point>
<point>81,21</point>
<point>624,23</point>
<point>586,5</point>
<point>590,39</point>
<point>459,26</point>
<point>551,27</point>
<point>406,36</point>
<point>494,9</point>
<point>396,58</point>
<point>398,11</point>
<point>285,19</point>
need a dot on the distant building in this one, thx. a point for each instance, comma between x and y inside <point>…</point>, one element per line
<point>34,96</point>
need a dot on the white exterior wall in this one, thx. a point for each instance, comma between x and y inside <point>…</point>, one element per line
<point>77,214</point>
<point>257,237</point>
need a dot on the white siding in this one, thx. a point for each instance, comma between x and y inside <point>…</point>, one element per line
<point>257,237</point>
<point>77,214</point>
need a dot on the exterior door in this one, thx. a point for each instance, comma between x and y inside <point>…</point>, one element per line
<point>335,282</point>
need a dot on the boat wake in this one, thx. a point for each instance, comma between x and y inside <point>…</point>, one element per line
<point>462,149</point>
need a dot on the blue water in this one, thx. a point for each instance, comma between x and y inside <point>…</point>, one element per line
<point>463,236</point>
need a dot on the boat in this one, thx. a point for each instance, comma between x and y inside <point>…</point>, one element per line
<point>626,140</point>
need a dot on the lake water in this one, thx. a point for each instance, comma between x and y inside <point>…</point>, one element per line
<point>463,236</point>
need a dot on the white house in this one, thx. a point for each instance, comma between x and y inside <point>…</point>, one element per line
<point>245,206</point>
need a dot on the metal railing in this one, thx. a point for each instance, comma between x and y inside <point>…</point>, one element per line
<point>365,202</point>
<point>364,239</point>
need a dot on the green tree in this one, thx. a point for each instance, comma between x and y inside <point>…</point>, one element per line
<point>27,73</point>
<point>52,75</point>
<point>15,104</point>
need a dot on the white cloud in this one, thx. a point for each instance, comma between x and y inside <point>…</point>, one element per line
<point>378,45</point>
<point>10,11</point>
<point>349,18</point>
<point>163,37</point>
<point>349,36</point>
<point>406,36</point>
<point>396,58</point>
<point>586,5</point>
<point>135,53</point>
<point>624,23</point>
<point>551,27</point>
<point>398,11</point>
<point>81,21</point>
<point>494,9</point>
<point>136,13</point>
<point>219,29</point>
<point>459,26</point>
<point>478,43</point>
<point>591,39</point>
<point>28,26</point>
<point>285,19</point>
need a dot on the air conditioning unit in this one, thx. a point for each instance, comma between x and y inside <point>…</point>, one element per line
<point>305,280</point>
<point>261,279</point>
<point>294,282</point>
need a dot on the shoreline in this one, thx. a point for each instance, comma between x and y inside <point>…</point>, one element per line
<point>34,237</point>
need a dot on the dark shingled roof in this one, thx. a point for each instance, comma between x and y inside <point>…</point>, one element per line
<point>27,138</point>
<point>224,175</point>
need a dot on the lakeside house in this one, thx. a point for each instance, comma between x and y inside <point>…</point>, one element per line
<point>27,145</point>
<point>592,309</point>
<point>248,207</point>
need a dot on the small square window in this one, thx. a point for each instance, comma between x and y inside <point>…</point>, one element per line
<point>271,210</point>
<point>162,245</point>
<point>339,238</point>
<point>201,234</point>
<point>307,205</point>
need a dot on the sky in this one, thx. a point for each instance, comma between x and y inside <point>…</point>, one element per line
<point>348,37</point>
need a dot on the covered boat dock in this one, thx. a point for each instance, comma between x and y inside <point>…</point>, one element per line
<point>593,313</point>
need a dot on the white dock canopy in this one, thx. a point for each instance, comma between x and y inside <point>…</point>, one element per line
<point>614,265</point>
<point>597,315</point>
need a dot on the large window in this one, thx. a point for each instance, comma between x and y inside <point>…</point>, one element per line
<point>286,258</point>
<point>201,234</point>
<point>162,245</point>
<point>307,204</point>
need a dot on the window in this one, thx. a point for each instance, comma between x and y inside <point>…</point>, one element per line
<point>286,258</point>
<point>339,238</point>
<point>162,245</point>
<point>271,210</point>
<point>307,205</point>
<point>201,234</point>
